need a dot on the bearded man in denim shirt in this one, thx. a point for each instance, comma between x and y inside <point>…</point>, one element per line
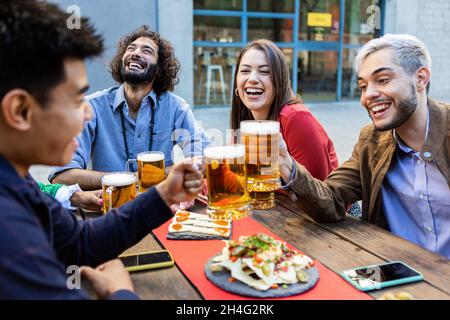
<point>139,115</point>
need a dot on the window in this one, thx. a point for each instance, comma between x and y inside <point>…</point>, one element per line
<point>327,30</point>
<point>222,29</point>
<point>218,5</point>
<point>279,6</point>
<point>317,72</point>
<point>214,69</point>
<point>319,20</point>
<point>276,30</point>
<point>361,22</point>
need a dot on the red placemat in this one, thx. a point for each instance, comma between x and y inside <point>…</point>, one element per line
<point>192,255</point>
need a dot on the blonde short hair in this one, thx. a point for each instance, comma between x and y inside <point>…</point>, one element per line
<point>409,52</point>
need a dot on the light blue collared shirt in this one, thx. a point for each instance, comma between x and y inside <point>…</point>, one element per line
<point>102,143</point>
<point>416,200</point>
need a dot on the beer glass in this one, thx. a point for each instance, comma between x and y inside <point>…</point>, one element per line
<point>151,169</point>
<point>227,182</point>
<point>261,140</point>
<point>118,188</point>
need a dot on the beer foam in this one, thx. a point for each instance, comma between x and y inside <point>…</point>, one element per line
<point>150,157</point>
<point>225,152</point>
<point>260,127</point>
<point>118,179</point>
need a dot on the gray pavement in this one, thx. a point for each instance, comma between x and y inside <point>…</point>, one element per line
<point>341,120</point>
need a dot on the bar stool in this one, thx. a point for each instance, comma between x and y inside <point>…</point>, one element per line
<point>205,61</point>
<point>209,71</point>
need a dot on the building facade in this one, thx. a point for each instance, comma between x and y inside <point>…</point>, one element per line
<point>318,37</point>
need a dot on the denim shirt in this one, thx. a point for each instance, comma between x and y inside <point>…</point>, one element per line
<point>102,146</point>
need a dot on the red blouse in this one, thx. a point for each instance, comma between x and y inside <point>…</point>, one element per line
<point>307,141</point>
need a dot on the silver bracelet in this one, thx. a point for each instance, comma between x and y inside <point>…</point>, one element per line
<point>292,176</point>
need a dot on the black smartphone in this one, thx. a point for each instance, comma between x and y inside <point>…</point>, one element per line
<point>147,260</point>
<point>381,275</point>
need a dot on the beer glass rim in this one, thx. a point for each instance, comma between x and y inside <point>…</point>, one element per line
<point>261,121</point>
<point>150,152</point>
<point>131,178</point>
<point>236,146</point>
<point>274,127</point>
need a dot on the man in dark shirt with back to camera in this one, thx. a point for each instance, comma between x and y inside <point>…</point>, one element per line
<point>42,110</point>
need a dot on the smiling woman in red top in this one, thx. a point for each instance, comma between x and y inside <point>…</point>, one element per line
<point>263,91</point>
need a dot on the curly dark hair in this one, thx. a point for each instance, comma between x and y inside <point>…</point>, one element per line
<point>168,65</point>
<point>34,41</point>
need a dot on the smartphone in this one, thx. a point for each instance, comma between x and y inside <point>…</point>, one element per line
<point>381,276</point>
<point>147,260</point>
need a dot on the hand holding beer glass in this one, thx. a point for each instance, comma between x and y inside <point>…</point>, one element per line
<point>117,189</point>
<point>261,140</point>
<point>151,169</point>
<point>227,182</point>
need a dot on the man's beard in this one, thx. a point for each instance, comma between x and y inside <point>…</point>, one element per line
<point>135,78</point>
<point>404,109</point>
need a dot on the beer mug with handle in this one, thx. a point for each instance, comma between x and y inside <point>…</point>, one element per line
<point>118,188</point>
<point>227,182</point>
<point>261,140</point>
<point>151,169</point>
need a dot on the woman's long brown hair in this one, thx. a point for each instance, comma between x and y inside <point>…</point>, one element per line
<point>279,74</point>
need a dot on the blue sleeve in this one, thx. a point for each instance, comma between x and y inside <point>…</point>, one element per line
<point>98,240</point>
<point>82,155</point>
<point>34,254</point>
<point>29,268</point>
<point>123,295</point>
<point>190,136</point>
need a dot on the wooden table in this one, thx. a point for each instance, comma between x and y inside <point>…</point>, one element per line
<point>339,246</point>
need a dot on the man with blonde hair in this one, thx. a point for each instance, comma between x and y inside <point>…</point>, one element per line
<point>400,167</point>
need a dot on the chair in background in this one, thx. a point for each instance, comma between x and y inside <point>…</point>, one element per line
<point>212,71</point>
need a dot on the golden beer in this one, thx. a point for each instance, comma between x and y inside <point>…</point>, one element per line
<point>261,140</point>
<point>118,188</point>
<point>226,176</point>
<point>151,169</point>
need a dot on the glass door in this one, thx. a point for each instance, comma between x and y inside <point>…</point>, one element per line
<point>362,23</point>
<point>317,75</point>
<point>318,37</point>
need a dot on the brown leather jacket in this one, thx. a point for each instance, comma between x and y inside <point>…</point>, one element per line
<point>361,176</point>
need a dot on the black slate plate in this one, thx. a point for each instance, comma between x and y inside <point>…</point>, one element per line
<point>220,279</point>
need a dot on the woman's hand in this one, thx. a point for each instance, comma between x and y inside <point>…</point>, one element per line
<point>89,200</point>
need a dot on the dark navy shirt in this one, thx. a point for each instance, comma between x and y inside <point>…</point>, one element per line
<point>39,239</point>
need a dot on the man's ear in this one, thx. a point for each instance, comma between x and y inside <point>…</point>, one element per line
<point>423,76</point>
<point>17,109</point>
